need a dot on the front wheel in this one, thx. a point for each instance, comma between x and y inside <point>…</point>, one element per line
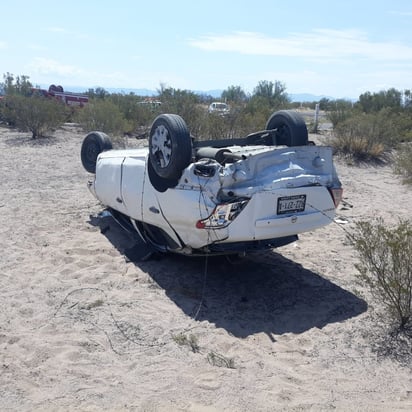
<point>170,146</point>
<point>290,128</point>
<point>93,144</point>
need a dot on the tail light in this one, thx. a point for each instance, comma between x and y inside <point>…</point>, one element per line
<point>336,193</point>
<point>222,215</point>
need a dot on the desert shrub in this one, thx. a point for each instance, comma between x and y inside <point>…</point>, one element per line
<point>35,114</point>
<point>338,111</point>
<point>137,112</point>
<point>194,116</point>
<point>374,102</point>
<point>222,127</point>
<point>358,147</point>
<point>386,265</point>
<point>234,95</point>
<point>221,361</point>
<point>185,104</point>
<point>13,85</point>
<point>403,163</point>
<point>183,340</point>
<point>211,126</point>
<point>217,127</point>
<point>2,109</point>
<point>257,112</point>
<point>404,122</point>
<point>271,94</point>
<point>367,137</point>
<point>103,115</point>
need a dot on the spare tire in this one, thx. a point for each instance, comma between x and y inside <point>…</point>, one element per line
<point>170,146</point>
<point>290,128</point>
<point>93,144</point>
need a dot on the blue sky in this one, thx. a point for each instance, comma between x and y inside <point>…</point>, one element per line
<point>324,47</point>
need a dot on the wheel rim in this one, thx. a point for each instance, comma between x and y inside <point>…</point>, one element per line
<point>162,146</point>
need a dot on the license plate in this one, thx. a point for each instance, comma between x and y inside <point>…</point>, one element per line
<point>291,204</point>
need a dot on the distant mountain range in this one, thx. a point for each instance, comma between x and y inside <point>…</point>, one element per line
<point>216,94</point>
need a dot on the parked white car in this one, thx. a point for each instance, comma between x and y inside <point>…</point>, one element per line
<point>216,197</point>
<point>219,108</point>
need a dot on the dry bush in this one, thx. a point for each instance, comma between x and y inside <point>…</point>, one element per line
<point>386,265</point>
<point>367,137</point>
<point>358,148</point>
<point>221,361</point>
<point>103,115</point>
<point>191,341</point>
<point>35,114</point>
<point>403,163</point>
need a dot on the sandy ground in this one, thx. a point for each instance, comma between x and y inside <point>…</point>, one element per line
<point>83,328</point>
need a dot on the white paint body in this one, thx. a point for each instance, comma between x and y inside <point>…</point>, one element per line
<point>265,174</point>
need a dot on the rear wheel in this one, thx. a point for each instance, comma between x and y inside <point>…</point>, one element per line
<point>290,128</point>
<point>170,146</point>
<point>93,144</point>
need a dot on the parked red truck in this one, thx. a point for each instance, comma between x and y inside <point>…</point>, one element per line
<point>69,98</point>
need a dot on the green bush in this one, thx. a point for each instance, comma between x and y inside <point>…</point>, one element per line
<point>137,112</point>
<point>2,110</point>
<point>103,115</point>
<point>367,137</point>
<point>338,111</point>
<point>404,124</point>
<point>183,103</point>
<point>403,162</point>
<point>386,265</point>
<point>216,127</point>
<point>35,114</point>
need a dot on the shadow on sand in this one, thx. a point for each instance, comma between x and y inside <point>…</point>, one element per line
<point>265,292</point>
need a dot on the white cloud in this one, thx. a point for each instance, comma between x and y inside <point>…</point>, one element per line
<point>319,43</point>
<point>3,45</point>
<point>48,66</point>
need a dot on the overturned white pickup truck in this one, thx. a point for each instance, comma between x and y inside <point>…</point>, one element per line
<point>216,197</point>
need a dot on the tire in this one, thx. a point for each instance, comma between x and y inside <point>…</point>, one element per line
<point>94,144</point>
<point>290,126</point>
<point>160,183</point>
<point>170,146</point>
